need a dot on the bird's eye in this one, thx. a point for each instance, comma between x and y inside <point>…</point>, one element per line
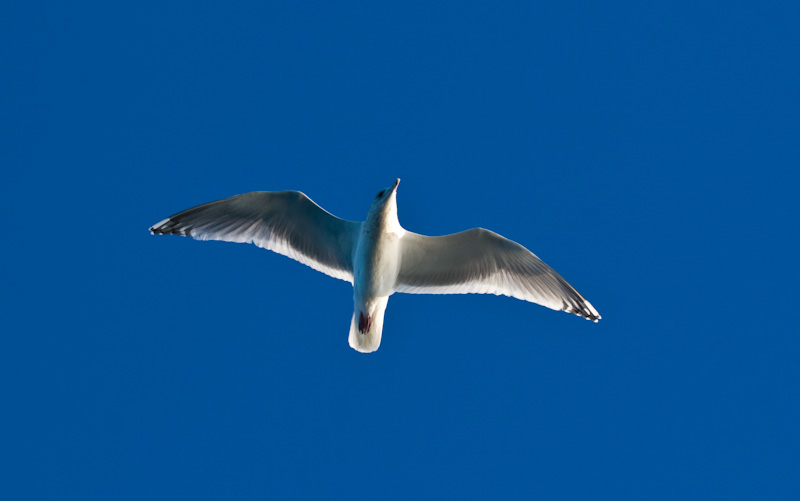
<point>380,194</point>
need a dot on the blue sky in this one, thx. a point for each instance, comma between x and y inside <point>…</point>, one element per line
<point>646,152</point>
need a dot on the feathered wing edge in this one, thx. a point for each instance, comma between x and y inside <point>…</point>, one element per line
<point>479,261</point>
<point>286,222</point>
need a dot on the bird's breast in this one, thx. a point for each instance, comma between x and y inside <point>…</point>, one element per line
<point>377,262</point>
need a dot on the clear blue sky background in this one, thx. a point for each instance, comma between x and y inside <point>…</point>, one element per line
<point>649,153</point>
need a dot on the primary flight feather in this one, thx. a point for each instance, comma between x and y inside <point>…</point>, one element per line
<point>377,255</point>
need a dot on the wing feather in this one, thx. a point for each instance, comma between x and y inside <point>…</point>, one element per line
<point>479,261</point>
<point>286,222</point>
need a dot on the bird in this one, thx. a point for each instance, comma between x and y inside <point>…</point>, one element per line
<point>378,256</point>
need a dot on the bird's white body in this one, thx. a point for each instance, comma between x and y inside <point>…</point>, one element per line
<point>378,256</point>
<point>376,265</point>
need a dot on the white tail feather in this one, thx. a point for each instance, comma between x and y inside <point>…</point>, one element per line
<point>369,340</point>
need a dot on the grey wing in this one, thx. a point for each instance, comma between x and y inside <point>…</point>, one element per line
<point>483,262</point>
<point>286,222</point>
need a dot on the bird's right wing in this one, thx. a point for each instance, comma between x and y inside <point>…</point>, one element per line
<point>483,262</point>
<point>286,222</point>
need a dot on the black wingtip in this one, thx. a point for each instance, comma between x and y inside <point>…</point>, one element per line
<point>158,228</point>
<point>588,314</point>
<point>167,227</point>
<point>582,310</point>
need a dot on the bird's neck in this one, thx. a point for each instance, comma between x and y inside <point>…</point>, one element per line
<point>384,221</point>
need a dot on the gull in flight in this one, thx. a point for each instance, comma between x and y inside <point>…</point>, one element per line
<point>378,256</point>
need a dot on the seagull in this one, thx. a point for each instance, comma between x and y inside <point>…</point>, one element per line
<point>378,256</point>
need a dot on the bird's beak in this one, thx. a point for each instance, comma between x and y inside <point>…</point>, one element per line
<point>396,183</point>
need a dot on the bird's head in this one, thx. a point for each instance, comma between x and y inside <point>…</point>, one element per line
<point>384,206</point>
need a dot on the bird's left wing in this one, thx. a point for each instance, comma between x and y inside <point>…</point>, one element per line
<point>483,262</point>
<point>286,222</point>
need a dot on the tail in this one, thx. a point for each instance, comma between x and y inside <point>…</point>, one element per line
<point>366,326</point>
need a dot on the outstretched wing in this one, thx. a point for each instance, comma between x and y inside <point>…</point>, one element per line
<point>483,262</point>
<point>286,222</point>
